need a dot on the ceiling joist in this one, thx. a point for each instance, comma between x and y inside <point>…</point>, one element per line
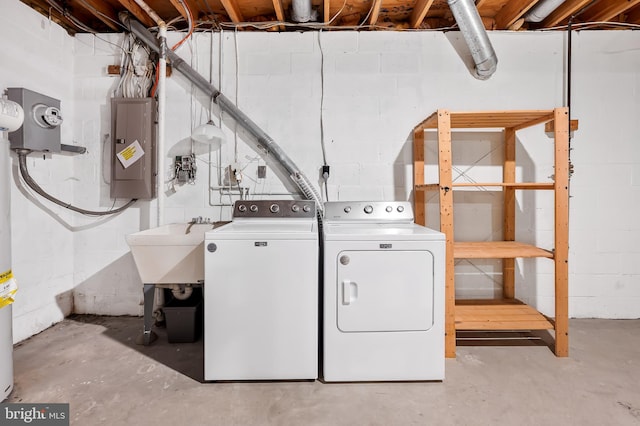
<point>375,12</point>
<point>420,10</point>
<point>104,12</point>
<point>138,12</point>
<point>513,11</point>
<point>564,12</point>
<point>605,11</point>
<point>231,6</point>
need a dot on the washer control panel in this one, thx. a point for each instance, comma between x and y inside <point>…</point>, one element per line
<point>274,208</point>
<point>373,211</point>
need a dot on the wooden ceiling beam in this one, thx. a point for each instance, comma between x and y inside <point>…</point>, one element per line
<point>103,11</point>
<point>607,10</point>
<point>375,12</point>
<point>279,9</point>
<point>633,17</point>
<point>564,11</point>
<point>180,8</point>
<point>420,10</point>
<point>327,11</point>
<point>512,11</point>
<point>138,12</point>
<point>231,6</point>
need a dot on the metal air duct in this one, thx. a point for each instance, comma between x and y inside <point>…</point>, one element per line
<point>542,9</point>
<point>475,35</point>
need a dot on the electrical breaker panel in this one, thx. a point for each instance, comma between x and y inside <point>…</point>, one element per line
<point>42,119</point>
<point>133,134</point>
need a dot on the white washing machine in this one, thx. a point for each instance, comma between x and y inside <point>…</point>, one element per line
<point>261,293</point>
<point>383,294</point>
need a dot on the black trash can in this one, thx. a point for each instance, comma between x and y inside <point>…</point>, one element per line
<point>184,319</point>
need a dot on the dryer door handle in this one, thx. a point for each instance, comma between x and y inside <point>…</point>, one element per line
<point>349,292</point>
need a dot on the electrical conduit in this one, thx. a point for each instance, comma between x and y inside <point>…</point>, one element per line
<point>264,140</point>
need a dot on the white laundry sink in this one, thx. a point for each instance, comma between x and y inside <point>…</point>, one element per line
<point>170,254</point>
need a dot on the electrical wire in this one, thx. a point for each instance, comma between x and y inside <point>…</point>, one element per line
<point>185,6</point>
<point>322,142</point>
<point>31,183</point>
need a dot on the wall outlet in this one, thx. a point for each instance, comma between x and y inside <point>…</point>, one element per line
<point>262,172</point>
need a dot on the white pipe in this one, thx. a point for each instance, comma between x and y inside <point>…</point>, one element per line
<point>181,292</point>
<point>542,10</point>
<point>162,80</point>
<point>152,13</point>
<point>468,20</point>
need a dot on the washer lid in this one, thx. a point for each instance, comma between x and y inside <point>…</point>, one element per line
<point>380,232</point>
<point>266,229</point>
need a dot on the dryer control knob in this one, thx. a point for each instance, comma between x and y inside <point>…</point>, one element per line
<point>274,208</point>
<point>400,209</point>
<point>368,209</point>
<point>306,209</point>
<point>253,208</point>
<point>347,209</point>
<point>242,208</point>
<point>389,209</point>
<point>295,208</point>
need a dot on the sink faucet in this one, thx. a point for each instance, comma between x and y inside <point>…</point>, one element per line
<point>197,221</point>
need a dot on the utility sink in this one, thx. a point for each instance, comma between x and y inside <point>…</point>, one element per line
<point>171,254</point>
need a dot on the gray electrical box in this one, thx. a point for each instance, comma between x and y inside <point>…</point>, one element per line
<point>133,140</point>
<point>42,119</point>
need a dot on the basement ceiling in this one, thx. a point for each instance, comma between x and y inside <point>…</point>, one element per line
<point>101,16</point>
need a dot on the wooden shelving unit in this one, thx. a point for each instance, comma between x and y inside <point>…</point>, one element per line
<point>506,313</point>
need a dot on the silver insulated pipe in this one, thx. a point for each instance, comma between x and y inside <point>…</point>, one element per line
<point>263,139</point>
<point>468,20</point>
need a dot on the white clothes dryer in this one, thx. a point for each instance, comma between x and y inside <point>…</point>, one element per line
<point>261,293</point>
<point>383,294</point>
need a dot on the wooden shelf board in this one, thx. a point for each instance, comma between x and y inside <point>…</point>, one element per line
<point>427,187</point>
<point>491,119</point>
<point>497,250</point>
<point>514,185</point>
<point>499,314</point>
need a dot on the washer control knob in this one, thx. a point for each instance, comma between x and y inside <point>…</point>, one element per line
<point>274,208</point>
<point>242,208</point>
<point>253,208</point>
<point>295,208</point>
<point>400,209</point>
<point>306,208</point>
<point>389,209</point>
<point>368,209</point>
<point>347,209</point>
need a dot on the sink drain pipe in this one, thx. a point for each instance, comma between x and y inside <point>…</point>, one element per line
<point>263,139</point>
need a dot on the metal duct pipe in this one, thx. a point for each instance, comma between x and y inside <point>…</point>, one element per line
<point>301,11</point>
<point>542,10</point>
<point>474,33</point>
<point>267,143</point>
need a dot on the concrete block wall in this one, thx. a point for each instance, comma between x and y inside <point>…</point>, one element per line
<point>38,55</point>
<point>362,93</point>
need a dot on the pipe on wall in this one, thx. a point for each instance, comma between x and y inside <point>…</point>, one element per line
<point>263,139</point>
<point>475,35</point>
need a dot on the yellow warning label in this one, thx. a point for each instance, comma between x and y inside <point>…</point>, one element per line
<point>128,152</point>
<point>8,288</point>
<point>6,276</point>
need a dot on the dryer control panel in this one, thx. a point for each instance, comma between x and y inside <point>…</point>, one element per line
<point>274,209</point>
<point>368,211</point>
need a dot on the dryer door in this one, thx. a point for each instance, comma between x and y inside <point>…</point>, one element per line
<point>384,291</point>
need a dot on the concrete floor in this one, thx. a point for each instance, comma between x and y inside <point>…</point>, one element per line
<point>93,364</point>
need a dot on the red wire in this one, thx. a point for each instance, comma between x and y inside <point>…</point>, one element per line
<point>191,27</point>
